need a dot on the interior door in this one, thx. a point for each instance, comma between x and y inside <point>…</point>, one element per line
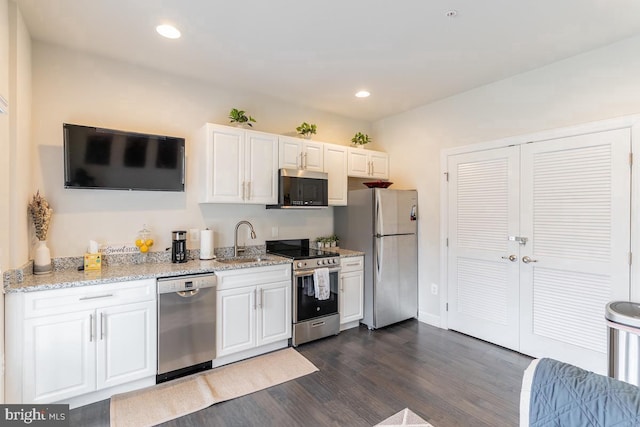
<point>483,291</point>
<point>575,205</point>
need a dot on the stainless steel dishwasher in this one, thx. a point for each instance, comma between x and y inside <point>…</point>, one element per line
<point>186,325</point>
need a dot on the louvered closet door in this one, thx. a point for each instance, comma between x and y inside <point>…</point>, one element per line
<point>483,213</point>
<point>575,206</point>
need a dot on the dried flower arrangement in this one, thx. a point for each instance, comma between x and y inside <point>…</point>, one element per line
<point>41,215</point>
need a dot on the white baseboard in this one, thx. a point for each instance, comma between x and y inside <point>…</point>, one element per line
<point>429,319</point>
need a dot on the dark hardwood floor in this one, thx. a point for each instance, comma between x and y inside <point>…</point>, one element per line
<point>365,376</point>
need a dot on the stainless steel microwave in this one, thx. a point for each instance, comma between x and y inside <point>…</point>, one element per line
<point>302,189</point>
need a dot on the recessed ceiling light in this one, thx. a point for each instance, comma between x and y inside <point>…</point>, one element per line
<point>452,13</point>
<point>168,31</point>
<point>362,94</point>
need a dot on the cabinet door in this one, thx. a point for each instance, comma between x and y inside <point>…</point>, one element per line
<point>126,343</point>
<point>261,176</point>
<point>335,165</point>
<point>224,165</point>
<point>290,150</point>
<point>351,287</point>
<point>274,311</point>
<point>312,156</point>
<point>358,163</point>
<point>379,165</point>
<point>235,320</point>
<point>59,357</point>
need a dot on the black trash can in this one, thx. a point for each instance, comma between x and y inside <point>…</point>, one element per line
<point>623,321</point>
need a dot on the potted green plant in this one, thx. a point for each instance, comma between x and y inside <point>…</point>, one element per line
<point>306,129</point>
<point>239,116</point>
<point>320,242</point>
<point>334,240</point>
<point>360,139</point>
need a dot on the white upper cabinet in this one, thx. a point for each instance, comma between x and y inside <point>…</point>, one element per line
<point>335,165</point>
<point>237,165</point>
<point>368,164</point>
<point>296,153</point>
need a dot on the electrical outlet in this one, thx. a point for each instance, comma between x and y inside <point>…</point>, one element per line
<point>194,234</point>
<point>274,231</point>
<point>434,289</point>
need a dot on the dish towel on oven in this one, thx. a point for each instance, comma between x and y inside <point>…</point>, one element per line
<point>321,279</point>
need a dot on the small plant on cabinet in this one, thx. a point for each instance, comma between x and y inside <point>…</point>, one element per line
<point>360,139</point>
<point>306,129</point>
<point>240,117</point>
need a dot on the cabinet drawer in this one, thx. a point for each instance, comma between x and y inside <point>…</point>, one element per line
<point>57,301</point>
<point>351,264</point>
<point>231,279</point>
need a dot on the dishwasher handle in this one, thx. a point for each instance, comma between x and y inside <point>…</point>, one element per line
<point>186,284</point>
<point>188,294</point>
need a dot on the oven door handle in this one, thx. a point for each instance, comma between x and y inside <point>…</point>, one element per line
<point>305,273</point>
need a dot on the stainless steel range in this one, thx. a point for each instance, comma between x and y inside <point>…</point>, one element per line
<point>316,276</point>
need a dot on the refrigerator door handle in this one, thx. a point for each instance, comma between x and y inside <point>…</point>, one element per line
<point>379,255</point>
<point>378,221</point>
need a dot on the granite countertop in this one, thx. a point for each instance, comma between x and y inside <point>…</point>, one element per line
<point>70,278</point>
<point>345,253</point>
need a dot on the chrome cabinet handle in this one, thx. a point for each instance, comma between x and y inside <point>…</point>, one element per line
<point>301,161</point>
<point>101,325</point>
<point>527,260</point>
<point>255,299</point>
<point>261,298</point>
<point>511,258</point>
<point>95,297</point>
<point>371,163</point>
<point>91,328</point>
<point>249,190</point>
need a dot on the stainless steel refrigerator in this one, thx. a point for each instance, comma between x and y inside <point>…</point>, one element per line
<point>382,223</point>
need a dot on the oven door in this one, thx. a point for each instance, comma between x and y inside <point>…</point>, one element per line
<point>305,305</point>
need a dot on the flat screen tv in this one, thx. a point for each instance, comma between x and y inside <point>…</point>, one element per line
<point>118,160</point>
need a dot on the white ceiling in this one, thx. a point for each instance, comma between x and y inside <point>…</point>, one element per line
<point>319,53</point>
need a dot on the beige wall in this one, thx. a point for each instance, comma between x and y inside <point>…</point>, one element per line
<point>15,159</point>
<point>74,87</point>
<point>596,85</point>
<point>4,138</point>
<point>20,135</point>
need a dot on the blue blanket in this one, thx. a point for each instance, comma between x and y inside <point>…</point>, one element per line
<point>564,395</point>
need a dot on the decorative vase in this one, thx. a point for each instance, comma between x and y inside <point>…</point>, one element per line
<point>42,258</point>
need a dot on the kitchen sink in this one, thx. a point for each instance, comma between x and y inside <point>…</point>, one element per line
<point>243,260</point>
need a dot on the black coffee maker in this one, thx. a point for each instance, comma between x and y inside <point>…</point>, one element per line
<point>178,246</point>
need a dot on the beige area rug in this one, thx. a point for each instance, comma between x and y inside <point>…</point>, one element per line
<point>405,418</point>
<point>164,402</point>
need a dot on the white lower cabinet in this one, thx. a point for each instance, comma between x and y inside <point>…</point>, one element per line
<point>59,357</point>
<point>351,291</point>
<point>253,308</point>
<point>70,342</point>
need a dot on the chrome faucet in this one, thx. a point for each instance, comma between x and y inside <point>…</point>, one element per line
<point>236,249</point>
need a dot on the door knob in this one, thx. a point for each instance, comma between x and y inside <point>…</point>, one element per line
<point>511,258</point>
<point>527,260</point>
